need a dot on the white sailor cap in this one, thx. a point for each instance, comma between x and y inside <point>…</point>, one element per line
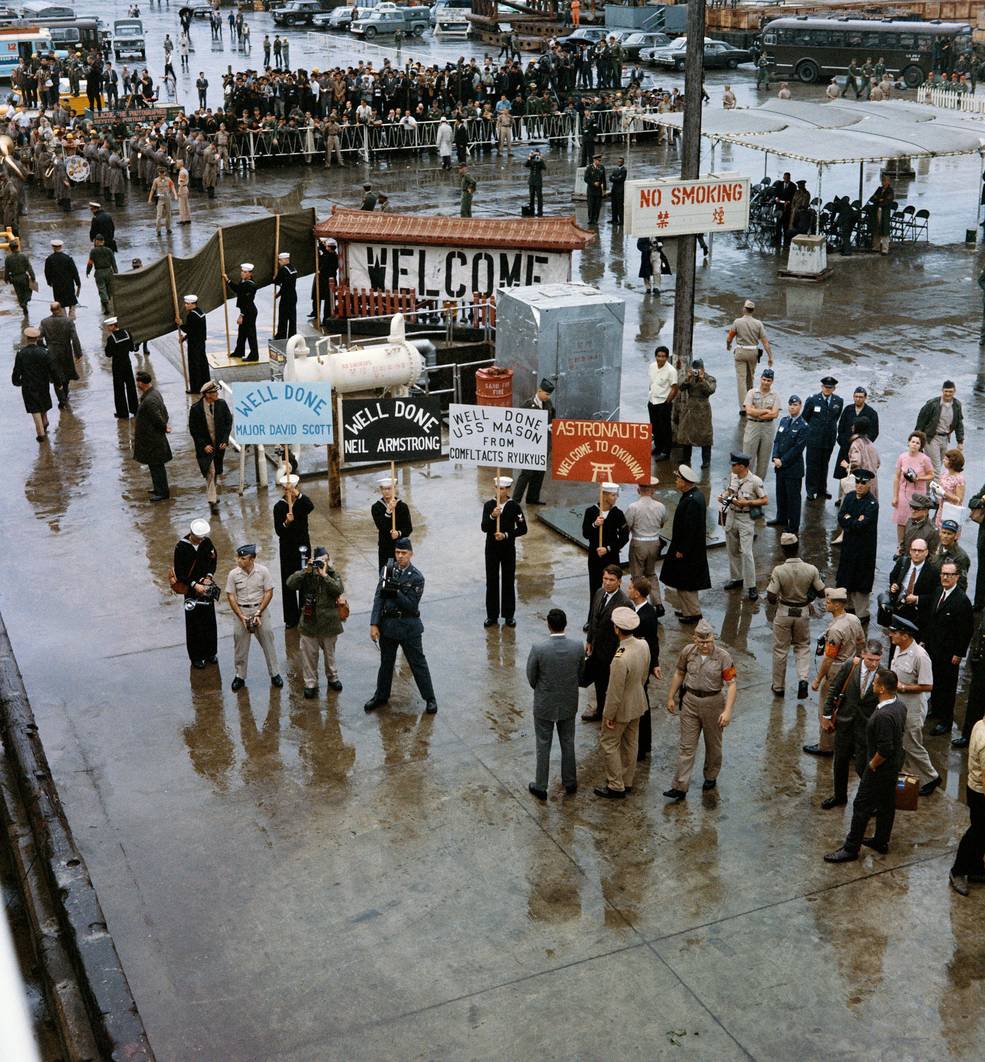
<point>190,298</point>
<point>95,205</point>
<point>503,481</point>
<point>289,481</point>
<point>385,482</point>
<point>110,321</point>
<point>284,256</point>
<point>199,528</point>
<point>610,488</point>
<point>246,267</point>
<point>57,243</point>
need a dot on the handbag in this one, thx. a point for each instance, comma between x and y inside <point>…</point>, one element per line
<point>950,511</point>
<point>977,514</point>
<point>343,606</point>
<point>839,697</point>
<point>907,792</point>
<point>586,673</point>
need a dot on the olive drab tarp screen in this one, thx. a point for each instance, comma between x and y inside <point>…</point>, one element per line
<point>143,299</point>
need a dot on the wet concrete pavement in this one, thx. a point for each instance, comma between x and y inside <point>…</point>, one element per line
<point>288,879</point>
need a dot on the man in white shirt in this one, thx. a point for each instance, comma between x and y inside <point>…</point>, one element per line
<point>645,518</point>
<point>912,666</point>
<point>660,402</point>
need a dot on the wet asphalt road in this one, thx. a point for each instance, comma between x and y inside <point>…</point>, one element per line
<point>288,879</point>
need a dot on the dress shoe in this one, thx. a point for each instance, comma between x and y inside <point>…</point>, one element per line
<point>803,691</point>
<point>289,626</point>
<point>843,855</point>
<point>813,497</point>
<point>571,789</point>
<point>591,717</point>
<point>870,842</point>
<point>431,707</point>
<point>958,882</point>
<point>827,495</point>
<point>816,750</point>
<point>373,702</point>
<point>832,802</point>
<point>491,623</point>
<point>539,501</point>
<point>778,693</point>
<point>238,684</point>
<point>940,730</point>
<point>609,794</point>
<point>709,783</point>
<point>978,879</point>
<point>540,794</point>
<point>661,457</point>
<point>200,664</point>
<point>706,464</point>
<point>159,497</point>
<point>864,620</point>
<point>752,594</point>
<point>675,794</point>
<point>310,692</point>
<point>678,613</point>
<point>277,681</point>
<point>926,790</point>
<point>776,523</point>
<point>689,621</point>
<point>959,742</point>
<point>335,684</point>
<point>510,622</point>
<point>641,756</point>
<point>628,790</point>
<point>733,584</point>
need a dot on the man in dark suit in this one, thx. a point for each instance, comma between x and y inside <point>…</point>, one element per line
<point>529,480</point>
<point>877,791</point>
<point>209,423</point>
<point>822,412</point>
<point>602,642</point>
<point>853,684</point>
<point>846,425</point>
<point>946,637</point>
<point>638,593</point>
<point>685,565</point>
<point>914,585</point>
<point>553,670</point>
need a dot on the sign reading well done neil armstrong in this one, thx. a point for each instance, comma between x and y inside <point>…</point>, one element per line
<point>451,272</point>
<point>719,203</point>
<point>391,429</point>
<point>278,412</point>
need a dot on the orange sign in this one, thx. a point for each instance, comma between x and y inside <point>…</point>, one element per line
<point>600,451</point>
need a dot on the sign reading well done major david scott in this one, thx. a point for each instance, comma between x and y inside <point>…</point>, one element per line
<point>498,436</point>
<point>600,451</point>
<point>391,429</point>
<point>279,412</point>
<point>719,203</point>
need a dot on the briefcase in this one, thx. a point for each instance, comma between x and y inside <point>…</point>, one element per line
<point>525,211</point>
<point>907,792</point>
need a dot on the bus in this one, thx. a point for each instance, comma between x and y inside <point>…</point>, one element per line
<point>808,48</point>
<point>17,44</point>
<point>72,35</point>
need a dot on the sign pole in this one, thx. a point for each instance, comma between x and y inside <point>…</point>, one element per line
<point>273,309</point>
<point>225,293</point>
<point>496,497</point>
<point>393,481</point>
<point>601,525</point>
<point>177,319</point>
<point>318,323</point>
<point>334,450</point>
<point>690,170</point>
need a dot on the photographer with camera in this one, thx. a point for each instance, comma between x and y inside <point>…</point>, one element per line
<point>395,624</point>
<point>192,575</point>
<point>249,591</point>
<point>322,608</point>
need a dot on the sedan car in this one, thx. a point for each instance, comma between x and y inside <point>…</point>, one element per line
<point>633,43</point>
<point>717,54</point>
<point>582,36</point>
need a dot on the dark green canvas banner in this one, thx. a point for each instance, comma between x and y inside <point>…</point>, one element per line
<point>143,299</point>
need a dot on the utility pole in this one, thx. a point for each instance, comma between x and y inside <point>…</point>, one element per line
<point>690,167</point>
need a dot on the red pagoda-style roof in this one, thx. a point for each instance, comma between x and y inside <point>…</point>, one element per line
<point>540,234</point>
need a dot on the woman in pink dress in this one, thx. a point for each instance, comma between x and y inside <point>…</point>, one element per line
<point>913,469</point>
<point>953,484</point>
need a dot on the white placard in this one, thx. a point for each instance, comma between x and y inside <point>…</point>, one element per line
<point>452,272</point>
<point>719,203</point>
<point>498,436</point>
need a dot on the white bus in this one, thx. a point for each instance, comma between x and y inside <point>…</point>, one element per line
<point>17,44</point>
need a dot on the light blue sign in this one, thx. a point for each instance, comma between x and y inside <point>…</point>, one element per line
<point>278,412</point>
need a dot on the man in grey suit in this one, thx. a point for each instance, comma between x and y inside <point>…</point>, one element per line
<point>553,670</point>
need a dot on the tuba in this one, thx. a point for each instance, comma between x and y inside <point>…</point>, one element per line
<point>7,156</point>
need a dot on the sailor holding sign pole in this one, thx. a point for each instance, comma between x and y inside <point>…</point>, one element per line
<point>503,523</point>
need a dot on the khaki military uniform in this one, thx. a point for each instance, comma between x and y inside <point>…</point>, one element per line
<point>749,333</point>
<point>705,678</point>
<point>791,582</point>
<point>248,590</point>
<point>625,702</point>
<point>913,668</point>
<point>757,440</point>
<point>740,529</point>
<point>843,639</point>
<point>645,518</point>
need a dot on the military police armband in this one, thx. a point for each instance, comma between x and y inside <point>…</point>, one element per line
<point>831,650</point>
<point>728,674</point>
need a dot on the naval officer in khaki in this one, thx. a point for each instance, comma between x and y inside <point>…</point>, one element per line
<point>707,674</point>
<point>249,591</point>
<point>625,702</point>
<point>741,503</point>
<point>792,586</point>
<point>843,639</point>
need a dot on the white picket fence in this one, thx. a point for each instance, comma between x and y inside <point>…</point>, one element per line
<point>951,101</point>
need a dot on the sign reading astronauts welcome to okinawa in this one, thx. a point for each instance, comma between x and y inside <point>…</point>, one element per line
<point>451,272</point>
<point>719,203</point>
<point>278,412</point>
<point>599,451</point>
<point>498,436</point>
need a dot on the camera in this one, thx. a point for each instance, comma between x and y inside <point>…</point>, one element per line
<point>910,475</point>
<point>391,581</point>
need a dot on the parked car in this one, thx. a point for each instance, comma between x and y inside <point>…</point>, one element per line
<point>128,39</point>
<point>582,36</point>
<point>341,17</point>
<point>634,42</point>
<point>669,54</point>
<point>202,11</point>
<point>298,12</point>
<point>406,20</point>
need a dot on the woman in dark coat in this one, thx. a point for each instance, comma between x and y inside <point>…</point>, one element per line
<point>651,252</point>
<point>32,374</point>
<point>685,566</point>
<point>858,519</point>
<point>195,562</point>
<point>150,439</point>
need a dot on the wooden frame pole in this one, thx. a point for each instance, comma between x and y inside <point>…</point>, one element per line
<point>318,323</point>
<point>177,318</point>
<point>225,292</point>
